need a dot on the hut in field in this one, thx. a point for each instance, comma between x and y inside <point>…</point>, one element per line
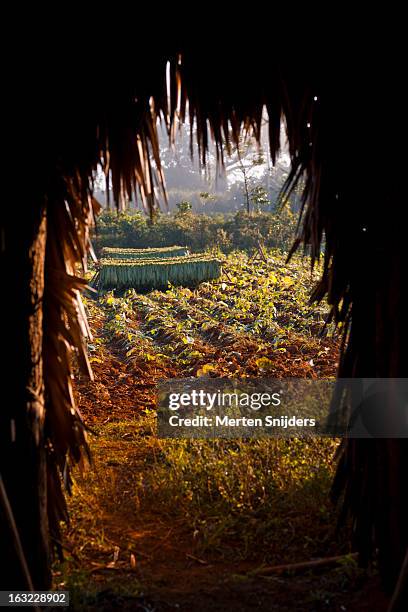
<point>342,120</point>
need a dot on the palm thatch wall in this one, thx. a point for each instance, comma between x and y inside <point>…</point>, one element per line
<point>338,131</point>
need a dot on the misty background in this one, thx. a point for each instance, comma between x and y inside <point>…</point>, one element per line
<point>215,189</point>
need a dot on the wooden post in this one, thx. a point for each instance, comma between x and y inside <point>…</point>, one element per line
<point>22,452</point>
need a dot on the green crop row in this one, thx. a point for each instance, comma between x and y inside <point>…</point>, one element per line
<point>153,253</point>
<point>189,270</point>
<point>126,261</point>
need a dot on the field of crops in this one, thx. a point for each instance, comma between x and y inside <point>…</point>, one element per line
<point>255,319</point>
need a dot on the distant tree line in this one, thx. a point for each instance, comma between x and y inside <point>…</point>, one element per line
<point>199,232</point>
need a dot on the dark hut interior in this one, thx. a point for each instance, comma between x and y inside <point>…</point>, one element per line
<point>68,126</point>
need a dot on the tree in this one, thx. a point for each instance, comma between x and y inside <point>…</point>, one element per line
<point>259,197</point>
<point>184,207</point>
<point>205,197</point>
<point>252,192</point>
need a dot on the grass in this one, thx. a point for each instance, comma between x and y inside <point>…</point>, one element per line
<point>236,498</point>
<point>247,493</point>
<point>238,505</point>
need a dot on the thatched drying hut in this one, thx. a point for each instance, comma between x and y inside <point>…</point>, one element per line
<point>341,123</point>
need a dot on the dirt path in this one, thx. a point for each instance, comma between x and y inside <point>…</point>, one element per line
<point>128,555</point>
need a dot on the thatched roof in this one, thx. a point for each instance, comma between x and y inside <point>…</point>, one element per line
<point>336,117</point>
